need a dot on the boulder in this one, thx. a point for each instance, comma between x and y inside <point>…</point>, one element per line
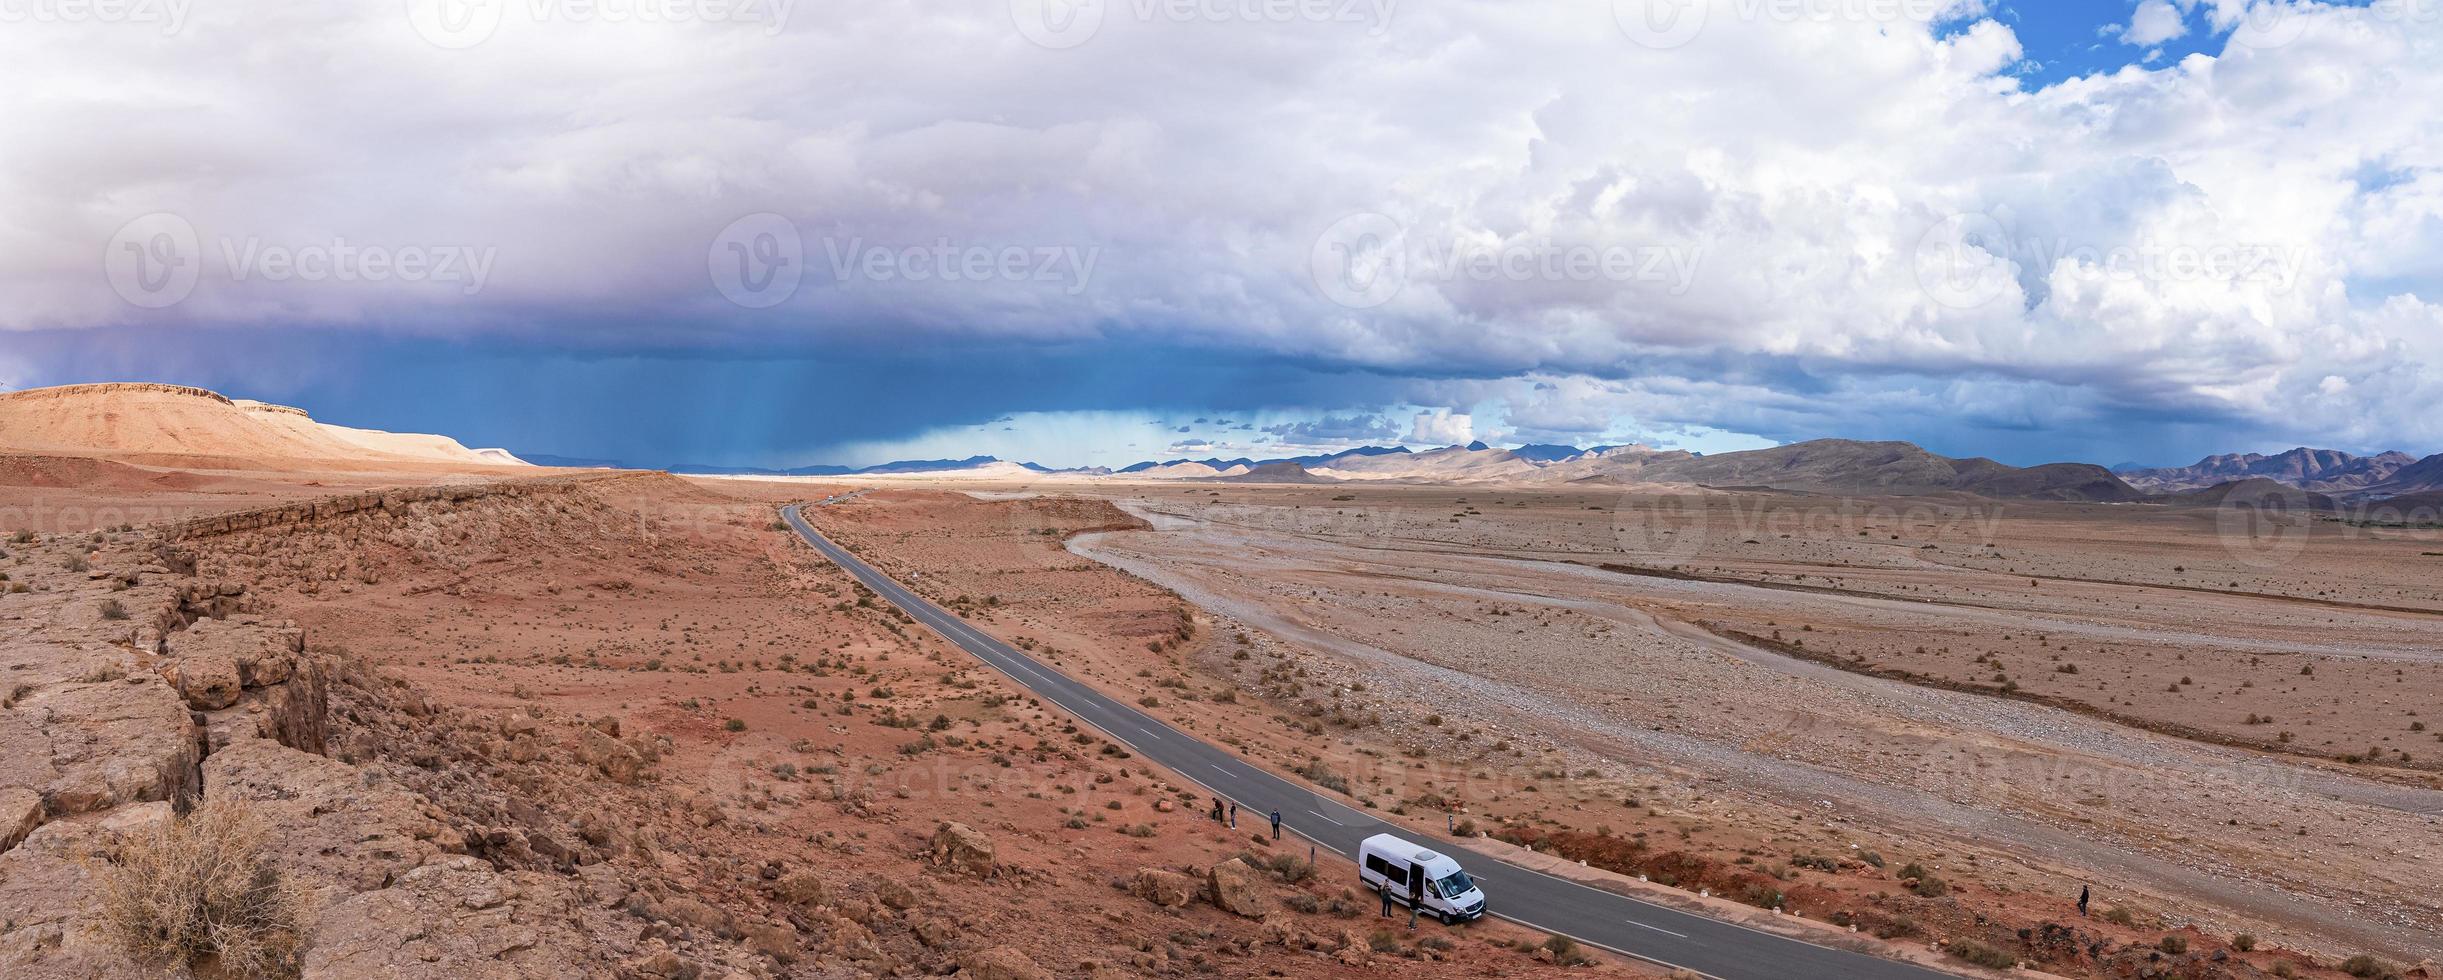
<point>804,889</point>
<point>1000,963</point>
<point>962,848</point>
<point>1239,889</point>
<point>1168,889</point>
<point>616,760</point>
<point>20,813</point>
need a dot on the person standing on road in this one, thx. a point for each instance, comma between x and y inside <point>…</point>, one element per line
<point>2082,899</point>
<point>1276,823</point>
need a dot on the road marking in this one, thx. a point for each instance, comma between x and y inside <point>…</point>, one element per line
<point>1328,820</point>
<point>1659,929</point>
<point>1223,771</point>
<point>1146,730</point>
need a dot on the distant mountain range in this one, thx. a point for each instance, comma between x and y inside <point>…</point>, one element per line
<point>1831,466</point>
<point>2321,470</point>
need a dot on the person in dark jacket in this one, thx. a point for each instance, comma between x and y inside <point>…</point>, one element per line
<point>1276,823</point>
<point>1416,893</point>
<point>2082,899</point>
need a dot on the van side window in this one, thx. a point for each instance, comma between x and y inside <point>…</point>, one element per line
<point>1396,873</point>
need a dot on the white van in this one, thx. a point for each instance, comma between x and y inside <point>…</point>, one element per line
<point>1409,872</point>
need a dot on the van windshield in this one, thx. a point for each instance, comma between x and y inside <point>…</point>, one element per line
<point>1455,885</point>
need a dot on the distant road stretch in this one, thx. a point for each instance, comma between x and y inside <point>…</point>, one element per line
<point>1531,898</point>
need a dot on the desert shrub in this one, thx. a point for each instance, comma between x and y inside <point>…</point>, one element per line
<point>112,609</point>
<point>1932,887</point>
<point>2366,967</point>
<point>202,887</point>
<point>1322,775</point>
<point>1983,955</point>
<point>1302,902</point>
<point>77,563</point>
<point>2243,942</point>
<point>735,725</point>
<point>2174,944</point>
<point>1565,951</point>
<point>2120,917</point>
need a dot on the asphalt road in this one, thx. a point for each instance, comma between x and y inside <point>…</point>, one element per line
<point>1531,898</point>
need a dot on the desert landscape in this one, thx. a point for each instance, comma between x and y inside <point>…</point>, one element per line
<point>452,715</point>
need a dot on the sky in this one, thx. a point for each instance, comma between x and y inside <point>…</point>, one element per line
<point>1091,232</point>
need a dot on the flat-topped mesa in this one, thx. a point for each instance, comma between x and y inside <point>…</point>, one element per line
<point>114,387</point>
<point>176,425</point>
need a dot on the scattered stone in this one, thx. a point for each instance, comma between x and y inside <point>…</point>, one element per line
<point>962,848</point>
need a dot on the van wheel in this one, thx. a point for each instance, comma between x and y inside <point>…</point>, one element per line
<point>1444,916</point>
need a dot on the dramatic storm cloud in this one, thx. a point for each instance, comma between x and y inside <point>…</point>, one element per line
<point>2212,219</point>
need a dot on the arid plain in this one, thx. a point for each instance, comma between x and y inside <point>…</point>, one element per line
<point>508,721</point>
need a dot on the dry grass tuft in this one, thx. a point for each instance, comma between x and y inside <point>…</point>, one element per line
<point>201,889</point>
